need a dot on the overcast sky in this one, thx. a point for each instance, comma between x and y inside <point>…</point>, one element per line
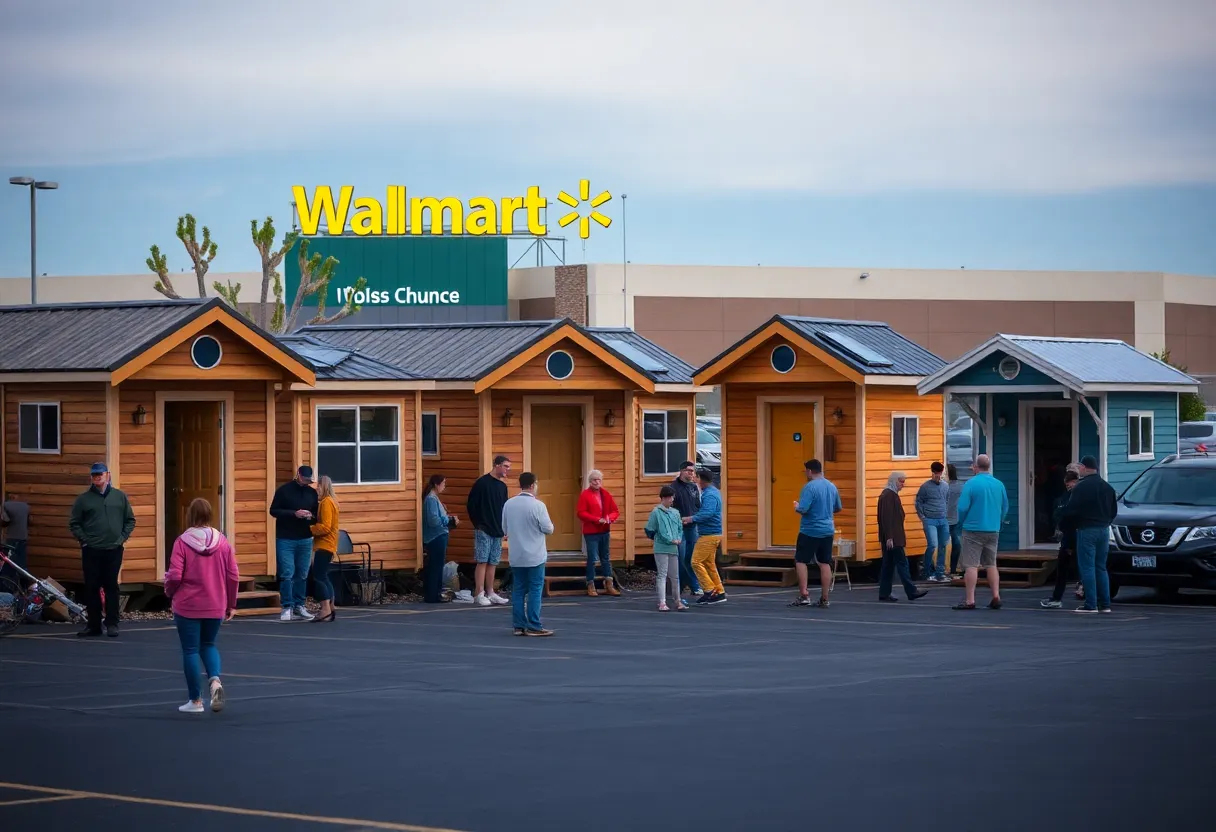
<point>973,121</point>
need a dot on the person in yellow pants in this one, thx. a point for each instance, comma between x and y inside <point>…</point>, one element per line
<point>704,556</point>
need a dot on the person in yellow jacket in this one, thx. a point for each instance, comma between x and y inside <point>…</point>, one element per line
<point>324,544</point>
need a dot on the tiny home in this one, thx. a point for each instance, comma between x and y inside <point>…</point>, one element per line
<point>840,391</point>
<point>1039,403</point>
<point>393,405</point>
<point>176,397</point>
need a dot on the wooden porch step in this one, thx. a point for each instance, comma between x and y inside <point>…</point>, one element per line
<point>265,602</point>
<point>763,558</point>
<point>556,585</point>
<point>747,575</point>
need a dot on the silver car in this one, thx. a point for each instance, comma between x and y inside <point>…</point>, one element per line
<point>1196,438</point>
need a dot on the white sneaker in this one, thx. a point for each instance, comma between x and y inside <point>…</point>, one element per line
<point>217,696</point>
<point>481,600</point>
<point>285,615</point>
<point>303,614</point>
<point>497,599</point>
<point>191,708</point>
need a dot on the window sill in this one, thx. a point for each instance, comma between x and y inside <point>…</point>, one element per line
<point>1141,457</point>
<point>55,452</point>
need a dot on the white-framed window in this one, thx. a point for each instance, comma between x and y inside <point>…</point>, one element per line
<point>430,434</point>
<point>905,436</point>
<point>359,444</point>
<point>38,427</point>
<point>664,441</point>
<point>1140,435</point>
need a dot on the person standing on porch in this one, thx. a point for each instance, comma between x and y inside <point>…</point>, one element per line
<point>436,526</point>
<point>709,529</point>
<point>597,511</point>
<point>982,508</point>
<point>1067,557</point>
<point>818,503</point>
<point>894,538</point>
<point>101,521</point>
<point>664,527</point>
<point>932,504</point>
<point>1092,506</point>
<point>956,538</point>
<point>526,519</point>
<point>486,500</point>
<point>294,509</point>
<point>324,545</point>
<point>688,503</point>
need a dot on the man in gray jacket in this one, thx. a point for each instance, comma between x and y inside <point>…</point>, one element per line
<point>525,521</point>
<point>931,502</point>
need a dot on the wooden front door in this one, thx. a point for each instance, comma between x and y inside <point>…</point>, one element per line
<point>557,461</point>
<point>194,463</point>
<point>791,443</point>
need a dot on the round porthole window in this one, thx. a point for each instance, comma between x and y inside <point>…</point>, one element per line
<point>206,352</point>
<point>559,364</point>
<point>1009,368</point>
<point>783,358</point>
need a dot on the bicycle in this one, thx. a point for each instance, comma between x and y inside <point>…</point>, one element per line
<point>17,602</point>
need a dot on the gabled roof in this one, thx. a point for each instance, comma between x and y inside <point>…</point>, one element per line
<point>338,364</point>
<point>108,336</point>
<point>862,348</point>
<point>1086,365</point>
<point>475,351</point>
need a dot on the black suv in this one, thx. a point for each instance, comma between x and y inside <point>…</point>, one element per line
<point>1165,533</point>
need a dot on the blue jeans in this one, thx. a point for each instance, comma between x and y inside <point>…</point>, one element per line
<point>527,584</point>
<point>937,532</point>
<point>597,549</point>
<point>688,576</point>
<point>198,636</point>
<point>1093,544</point>
<point>294,558</point>
<point>436,555</point>
<point>956,545</point>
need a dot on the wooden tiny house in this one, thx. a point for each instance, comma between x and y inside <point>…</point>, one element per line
<point>557,398</point>
<point>840,391</point>
<point>176,397</point>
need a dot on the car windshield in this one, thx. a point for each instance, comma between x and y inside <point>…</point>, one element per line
<point>704,437</point>
<point>1174,485</point>
<point>1195,431</point>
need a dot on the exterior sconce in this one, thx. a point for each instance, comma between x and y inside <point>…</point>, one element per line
<point>610,418</point>
<point>838,416</point>
<point>140,416</point>
<point>506,418</point>
<point>1001,421</point>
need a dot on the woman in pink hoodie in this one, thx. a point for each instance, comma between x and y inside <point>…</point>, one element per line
<point>202,583</point>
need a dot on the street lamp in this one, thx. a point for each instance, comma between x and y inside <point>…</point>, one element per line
<point>34,187</point>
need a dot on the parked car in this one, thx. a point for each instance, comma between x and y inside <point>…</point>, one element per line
<point>959,447</point>
<point>1196,437</point>
<point>709,450</point>
<point>1165,533</point>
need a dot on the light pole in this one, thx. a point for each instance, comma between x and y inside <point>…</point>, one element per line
<point>34,187</point>
<point>624,266</point>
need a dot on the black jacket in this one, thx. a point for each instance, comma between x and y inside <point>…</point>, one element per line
<point>688,497</point>
<point>289,498</point>
<point>486,500</point>
<point>1068,533</point>
<point>1092,503</point>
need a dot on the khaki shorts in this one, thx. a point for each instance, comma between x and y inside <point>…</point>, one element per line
<point>979,549</point>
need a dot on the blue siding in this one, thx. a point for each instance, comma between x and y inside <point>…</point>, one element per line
<point>1005,460</point>
<point>1120,471</point>
<point>984,374</point>
<point>1089,441</point>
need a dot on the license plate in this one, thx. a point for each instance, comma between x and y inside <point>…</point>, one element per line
<point>1144,561</point>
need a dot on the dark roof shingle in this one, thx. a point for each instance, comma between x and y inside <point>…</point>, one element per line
<point>907,358</point>
<point>338,364</point>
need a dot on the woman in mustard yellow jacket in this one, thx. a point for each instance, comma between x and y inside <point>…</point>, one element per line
<point>324,544</point>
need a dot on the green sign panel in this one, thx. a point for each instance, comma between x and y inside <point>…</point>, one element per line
<point>408,271</point>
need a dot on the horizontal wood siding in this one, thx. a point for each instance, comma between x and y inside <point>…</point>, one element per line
<point>1005,463</point>
<point>239,360</point>
<point>383,516</point>
<point>459,460</point>
<point>1120,470</point>
<point>285,463</point>
<point>882,404</point>
<point>50,483</point>
<point>1088,441</point>
<point>610,459</point>
<point>589,373</point>
<point>757,367</point>
<point>646,489</point>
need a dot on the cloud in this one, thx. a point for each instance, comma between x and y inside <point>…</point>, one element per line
<point>692,96</point>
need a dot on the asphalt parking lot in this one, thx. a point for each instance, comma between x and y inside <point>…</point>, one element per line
<point>746,716</point>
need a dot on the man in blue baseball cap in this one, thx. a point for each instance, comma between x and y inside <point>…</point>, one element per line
<point>101,521</point>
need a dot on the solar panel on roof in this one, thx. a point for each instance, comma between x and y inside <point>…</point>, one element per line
<point>864,354</point>
<point>322,356</point>
<point>646,362</point>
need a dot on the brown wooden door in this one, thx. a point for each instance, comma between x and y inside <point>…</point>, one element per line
<point>194,463</point>
<point>557,461</point>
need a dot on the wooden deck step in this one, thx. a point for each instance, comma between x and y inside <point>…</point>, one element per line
<point>767,558</point>
<point>264,602</point>
<point>569,584</point>
<point>749,575</point>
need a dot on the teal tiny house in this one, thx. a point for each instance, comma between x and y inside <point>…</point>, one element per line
<point>1036,404</point>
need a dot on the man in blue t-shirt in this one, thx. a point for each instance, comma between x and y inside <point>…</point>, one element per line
<point>817,504</point>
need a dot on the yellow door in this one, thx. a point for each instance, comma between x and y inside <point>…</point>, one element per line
<point>791,443</point>
<point>193,463</point>
<point>557,461</point>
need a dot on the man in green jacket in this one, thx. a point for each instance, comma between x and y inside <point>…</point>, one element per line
<point>101,521</point>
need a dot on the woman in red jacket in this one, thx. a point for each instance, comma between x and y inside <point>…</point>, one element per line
<point>597,511</point>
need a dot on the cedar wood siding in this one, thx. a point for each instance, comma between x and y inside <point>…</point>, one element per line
<point>285,463</point>
<point>459,460</point>
<point>240,361</point>
<point>646,489</point>
<point>50,483</point>
<point>383,516</point>
<point>589,373</point>
<point>882,403</point>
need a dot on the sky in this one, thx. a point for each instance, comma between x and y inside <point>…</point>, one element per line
<point>1061,134</point>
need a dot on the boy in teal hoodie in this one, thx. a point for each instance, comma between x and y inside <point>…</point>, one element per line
<point>666,529</point>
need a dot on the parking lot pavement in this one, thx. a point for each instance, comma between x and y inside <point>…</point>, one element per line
<point>746,716</point>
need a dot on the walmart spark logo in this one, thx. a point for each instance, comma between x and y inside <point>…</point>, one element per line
<point>584,222</point>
